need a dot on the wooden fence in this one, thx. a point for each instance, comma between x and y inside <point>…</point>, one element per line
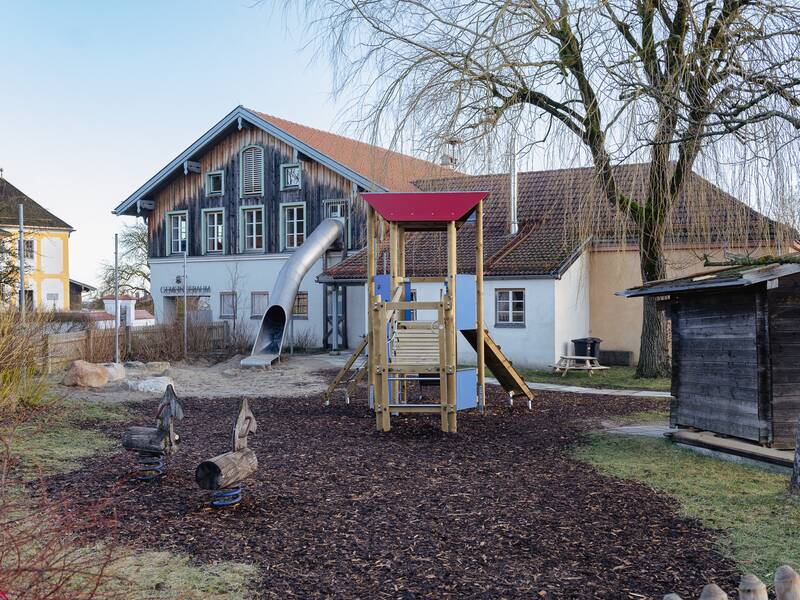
<point>787,587</point>
<point>157,342</point>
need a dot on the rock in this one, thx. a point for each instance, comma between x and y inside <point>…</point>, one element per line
<point>86,374</point>
<point>157,367</point>
<point>151,385</point>
<point>116,372</point>
<point>232,372</point>
<point>134,365</point>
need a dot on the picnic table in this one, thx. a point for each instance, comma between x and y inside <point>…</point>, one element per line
<point>590,364</point>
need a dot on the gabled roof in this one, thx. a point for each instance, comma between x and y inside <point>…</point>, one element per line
<point>371,167</point>
<point>35,215</point>
<point>559,211</point>
<point>738,276</point>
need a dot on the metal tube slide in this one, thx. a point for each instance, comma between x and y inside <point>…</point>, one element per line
<point>271,334</point>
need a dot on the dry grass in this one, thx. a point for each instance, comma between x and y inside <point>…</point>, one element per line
<point>22,385</point>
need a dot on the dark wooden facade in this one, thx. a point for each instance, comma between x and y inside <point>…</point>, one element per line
<point>735,355</point>
<point>187,192</point>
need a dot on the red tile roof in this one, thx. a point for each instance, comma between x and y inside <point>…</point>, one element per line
<point>141,314</point>
<point>558,212</point>
<point>392,170</point>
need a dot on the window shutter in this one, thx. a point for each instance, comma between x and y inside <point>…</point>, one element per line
<point>253,170</point>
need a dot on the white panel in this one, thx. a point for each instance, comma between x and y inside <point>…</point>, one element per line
<point>52,255</point>
<point>52,295</point>
<point>572,306</point>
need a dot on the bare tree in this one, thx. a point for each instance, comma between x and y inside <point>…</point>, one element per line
<point>668,82</point>
<point>134,271</point>
<point>9,268</point>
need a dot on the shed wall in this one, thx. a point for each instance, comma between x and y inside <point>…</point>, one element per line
<point>784,329</point>
<point>716,378</point>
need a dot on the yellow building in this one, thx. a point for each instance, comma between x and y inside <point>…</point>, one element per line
<point>47,284</point>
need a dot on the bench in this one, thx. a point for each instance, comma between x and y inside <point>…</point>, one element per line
<point>578,363</point>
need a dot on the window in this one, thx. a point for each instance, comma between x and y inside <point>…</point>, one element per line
<point>294,225</point>
<point>252,171</point>
<point>509,307</point>
<point>28,251</point>
<point>259,303</point>
<point>215,183</point>
<point>253,225</point>
<point>300,308</point>
<point>214,231</point>
<point>177,232</point>
<point>291,176</point>
<point>335,209</point>
<point>227,305</point>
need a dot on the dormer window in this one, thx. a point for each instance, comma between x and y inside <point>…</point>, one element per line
<point>291,176</point>
<point>215,183</point>
<point>252,171</point>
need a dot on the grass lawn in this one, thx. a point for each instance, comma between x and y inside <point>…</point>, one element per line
<point>623,378</point>
<point>55,441</point>
<point>758,521</point>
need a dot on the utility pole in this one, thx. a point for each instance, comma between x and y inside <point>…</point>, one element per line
<point>116,298</point>
<point>21,258</point>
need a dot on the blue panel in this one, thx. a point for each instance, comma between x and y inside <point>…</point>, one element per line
<point>383,287</point>
<point>466,315</point>
<point>466,388</point>
<point>407,297</point>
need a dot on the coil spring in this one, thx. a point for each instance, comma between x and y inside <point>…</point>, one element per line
<point>151,466</point>
<point>226,497</point>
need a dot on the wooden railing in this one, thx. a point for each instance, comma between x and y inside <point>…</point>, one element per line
<point>787,587</point>
<point>97,345</point>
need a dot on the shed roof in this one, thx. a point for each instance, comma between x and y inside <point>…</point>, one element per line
<point>35,214</point>
<point>738,276</point>
<point>422,208</point>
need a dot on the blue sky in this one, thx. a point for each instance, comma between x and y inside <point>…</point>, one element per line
<point>96,96</point>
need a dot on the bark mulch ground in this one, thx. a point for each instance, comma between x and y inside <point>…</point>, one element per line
<point>499,510</point>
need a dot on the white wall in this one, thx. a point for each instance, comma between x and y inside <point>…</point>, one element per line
<point>243,274</point>
<point>572,306</point>
<point>55,288</point>
<point>51,251</point>
<point>356,314</point>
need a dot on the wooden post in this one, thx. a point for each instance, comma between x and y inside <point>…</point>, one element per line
<point>794,485</point>
<point>90,344</point>
<point>128,341</point>
<point>450,328</point>
<point>752,588</point>
<point>481,357</point>
<point>713,592</point>
<point>443,379</point>
<point>787,583</point>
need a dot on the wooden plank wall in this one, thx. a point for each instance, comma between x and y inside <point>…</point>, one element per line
<point>784,327</point>
<point>716,364</point>
<point>187,192</point>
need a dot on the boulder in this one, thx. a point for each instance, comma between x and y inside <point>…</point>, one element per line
<point>116,372</point>
<point>86,374</point>
<point>150,385</point>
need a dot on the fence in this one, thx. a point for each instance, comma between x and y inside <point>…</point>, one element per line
<point>787,587</point>
<point>157,342</point>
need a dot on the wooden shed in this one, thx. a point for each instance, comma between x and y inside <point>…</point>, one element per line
<point>735,350</point>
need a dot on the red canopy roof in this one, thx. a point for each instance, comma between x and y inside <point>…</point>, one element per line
<point>424,207</point>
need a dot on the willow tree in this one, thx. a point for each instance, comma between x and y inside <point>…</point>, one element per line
<point>663,81</point>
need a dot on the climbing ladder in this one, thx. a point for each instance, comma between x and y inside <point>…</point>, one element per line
<point>342,375</point>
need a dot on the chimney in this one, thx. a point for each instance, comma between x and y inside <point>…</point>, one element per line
<point>513,184</point>
<point>450,159</point>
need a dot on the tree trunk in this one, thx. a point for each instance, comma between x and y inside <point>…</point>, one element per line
<point>654,345</point>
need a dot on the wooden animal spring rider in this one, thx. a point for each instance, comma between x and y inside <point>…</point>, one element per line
<point>154,443</point>
<point>224,474</point>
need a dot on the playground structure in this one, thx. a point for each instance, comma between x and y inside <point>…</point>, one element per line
<point>272,332</point>
<point>154,443</point>
<point>402,349</point>
<point>224,474</point>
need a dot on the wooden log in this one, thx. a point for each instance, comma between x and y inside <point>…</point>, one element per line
<point>752,588</point>
<point>672,597</point>
<point>145,439</point>
<point>787,583</point>
<point>226,470</point>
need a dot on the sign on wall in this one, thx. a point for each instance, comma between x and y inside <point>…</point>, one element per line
<point>191,290</point>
